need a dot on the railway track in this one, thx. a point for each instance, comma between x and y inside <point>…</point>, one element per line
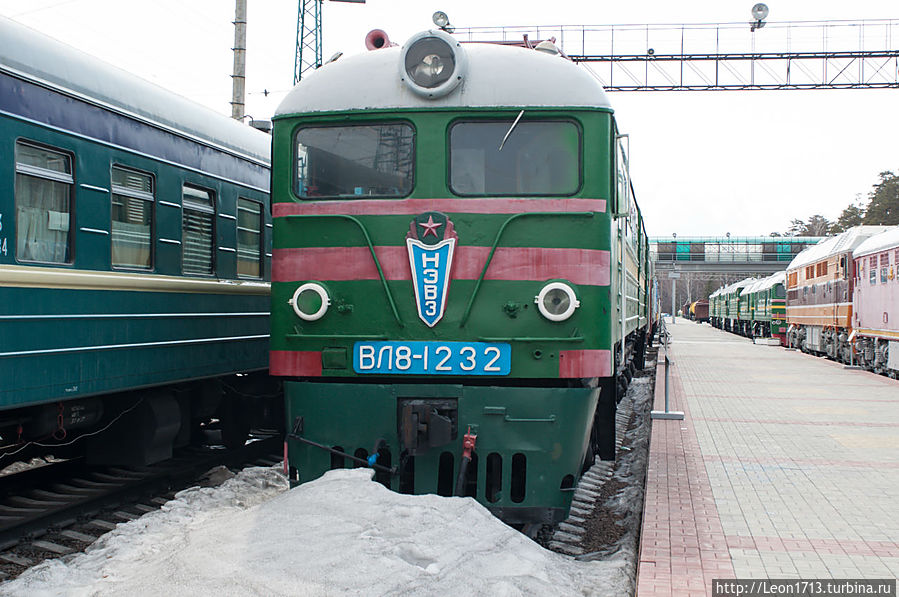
<point>61,508</point>
<point>590,530</point>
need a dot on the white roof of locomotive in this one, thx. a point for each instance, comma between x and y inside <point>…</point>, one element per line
<point>773,280</point>
<point>753,286</point>
<point>845,241</point>
<point>879,242</point>
<point>497,76</point>
<point>766,283</point>
<point>36,57</point>
<point>734,285</point>
<point>741,285</point>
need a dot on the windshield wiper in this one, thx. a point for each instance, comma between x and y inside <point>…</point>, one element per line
<point>511,128</point>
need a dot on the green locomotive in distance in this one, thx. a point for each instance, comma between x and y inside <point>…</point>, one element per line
<point>755,308</point>
<point>767,303</point>
<point>461,274</point>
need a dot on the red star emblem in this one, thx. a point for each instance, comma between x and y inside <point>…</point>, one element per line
<point>430,227</point>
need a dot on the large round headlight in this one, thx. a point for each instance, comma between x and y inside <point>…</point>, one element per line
<point>432,63</point>
<point>557,301</point>
<point>310,301</point>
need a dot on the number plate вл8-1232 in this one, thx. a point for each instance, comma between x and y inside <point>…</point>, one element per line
<point>432,358</point>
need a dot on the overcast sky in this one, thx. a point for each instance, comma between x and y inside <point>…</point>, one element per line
<point>702,163</point>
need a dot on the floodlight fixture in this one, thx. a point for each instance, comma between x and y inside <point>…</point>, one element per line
<point>759,14</point>
<point>441,19</point>
<point>760,11</point>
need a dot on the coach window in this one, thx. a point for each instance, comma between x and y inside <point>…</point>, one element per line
<point>508,158</point>
<point>355,161</point>
<point>132,219</point>
<point>198,218</point>
<point>44,185</point>
<point>249,238</point>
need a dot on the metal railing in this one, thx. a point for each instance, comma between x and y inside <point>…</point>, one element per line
<point>667,414</point>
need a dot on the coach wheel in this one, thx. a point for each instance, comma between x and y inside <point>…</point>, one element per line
<point>234,421</point>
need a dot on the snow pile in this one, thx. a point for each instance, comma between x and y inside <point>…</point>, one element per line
<point>339,535</point>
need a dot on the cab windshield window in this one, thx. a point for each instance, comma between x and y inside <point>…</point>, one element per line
<point>357,161</point>
<point>537,158</point>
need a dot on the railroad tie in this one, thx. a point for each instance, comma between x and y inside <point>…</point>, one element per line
<point>83,537</point>
<point>52,547</point>
<point>17,560</point>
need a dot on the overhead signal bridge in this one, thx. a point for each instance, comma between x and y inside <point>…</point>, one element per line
<point>752,256</point>
<point>723,56</point>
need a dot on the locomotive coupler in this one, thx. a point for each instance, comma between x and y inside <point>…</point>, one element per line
<point>426,423</point>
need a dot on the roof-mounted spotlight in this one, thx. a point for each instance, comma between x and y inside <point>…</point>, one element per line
<point>759,14</point>
<point>441,19</point>
<point>432,64</point>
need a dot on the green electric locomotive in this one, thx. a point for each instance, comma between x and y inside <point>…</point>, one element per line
<point>460,271</point>
<point>767,299</point>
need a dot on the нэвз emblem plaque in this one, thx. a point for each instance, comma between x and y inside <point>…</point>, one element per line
<point>431,241</point>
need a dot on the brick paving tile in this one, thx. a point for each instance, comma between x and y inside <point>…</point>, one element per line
<point>786,465</point>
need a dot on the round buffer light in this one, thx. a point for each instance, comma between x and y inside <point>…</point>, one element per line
<point>557,301</point>
<point>310,301</point>
<point>432,63</point>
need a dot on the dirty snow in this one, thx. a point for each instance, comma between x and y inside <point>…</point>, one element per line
<point>342,534</point>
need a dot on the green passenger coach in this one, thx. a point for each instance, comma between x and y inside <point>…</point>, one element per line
<point>460,283</point>
<point>134,260</point>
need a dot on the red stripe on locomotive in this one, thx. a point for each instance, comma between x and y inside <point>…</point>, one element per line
<point>295,363</point>
<point>585,363</point>
<point>380,207</point>
<point>580,266</point>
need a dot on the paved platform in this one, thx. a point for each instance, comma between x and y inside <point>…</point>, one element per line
<point>786,466</point>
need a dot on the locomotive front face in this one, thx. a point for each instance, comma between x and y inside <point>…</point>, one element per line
<point>443,267</point>
<point>410,244</point>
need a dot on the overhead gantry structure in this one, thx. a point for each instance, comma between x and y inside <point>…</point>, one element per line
<point>693,57</point>
<point>724,56</point>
